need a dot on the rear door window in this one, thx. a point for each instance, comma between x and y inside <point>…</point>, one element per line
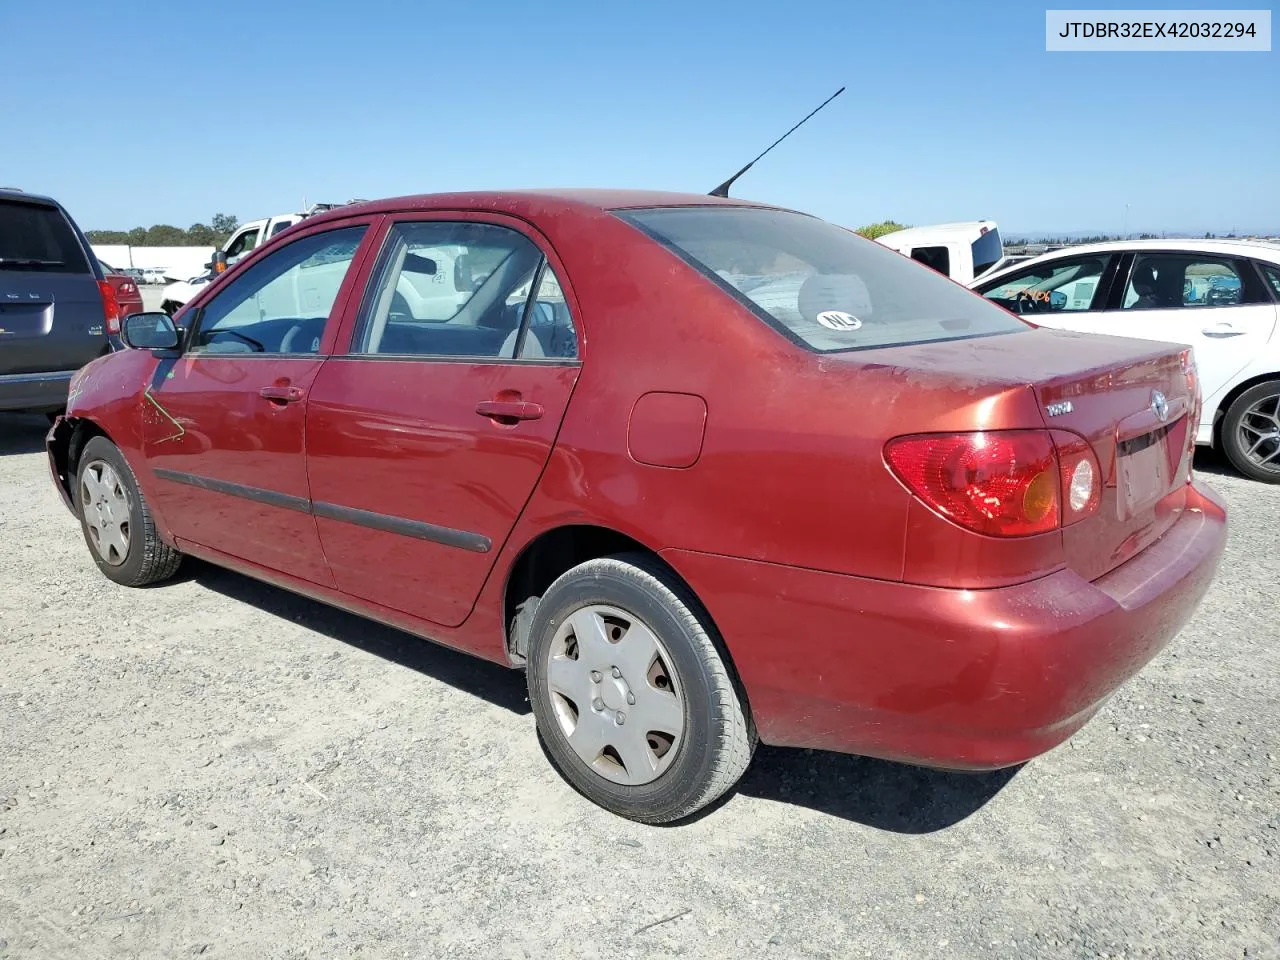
<point>1168,281</point>
<point>452,289</point>
<point>36,236</point>
<point>820,285</point>
<point>1272,274</point>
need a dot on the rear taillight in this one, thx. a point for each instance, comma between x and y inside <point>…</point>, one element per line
<point>1001,483</point>
<point>111,306</point>
<point>998,483</point>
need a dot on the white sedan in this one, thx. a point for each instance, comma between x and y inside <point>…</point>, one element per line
<point>1220,297</point>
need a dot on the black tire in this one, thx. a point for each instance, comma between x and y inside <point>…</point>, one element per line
<point>718,740</point>
<point>148,559</point>
<point>1234,439</point>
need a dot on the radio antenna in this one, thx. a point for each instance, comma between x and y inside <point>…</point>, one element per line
<point>723,189</point>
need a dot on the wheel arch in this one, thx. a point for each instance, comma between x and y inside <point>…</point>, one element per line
<point>557,550</point>
<point>68,442</point>
<point>1230,397</point>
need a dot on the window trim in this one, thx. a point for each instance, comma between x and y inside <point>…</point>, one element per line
<point>345,350</point>
<point>337,310</point>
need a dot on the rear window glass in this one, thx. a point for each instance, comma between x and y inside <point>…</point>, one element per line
<point>38,237</point>
<point>821,285</point>
<point>987,250</point>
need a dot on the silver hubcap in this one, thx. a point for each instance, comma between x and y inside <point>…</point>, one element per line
<point>1260,433</point>
<point>106,511</point>
<point>615,694</point>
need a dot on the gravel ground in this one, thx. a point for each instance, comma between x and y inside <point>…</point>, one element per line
<point>216,767</point>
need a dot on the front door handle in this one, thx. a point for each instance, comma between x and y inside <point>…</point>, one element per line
<point>280,393</point>
<point>1222,330</point>
<point>509,410</point>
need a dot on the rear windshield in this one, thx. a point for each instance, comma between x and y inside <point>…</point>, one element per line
<point>821,285</point>
<point>38,237</point>
<point>987,251</point>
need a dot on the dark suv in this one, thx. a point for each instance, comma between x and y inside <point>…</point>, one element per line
<point>57,312</point>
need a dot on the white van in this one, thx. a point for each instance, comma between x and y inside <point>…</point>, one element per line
<point>962,251</point>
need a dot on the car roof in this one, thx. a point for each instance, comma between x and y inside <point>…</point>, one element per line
<point>1261,249</point>
<point>544,202</point>
<point>13,193</point>
<point>962,230</point>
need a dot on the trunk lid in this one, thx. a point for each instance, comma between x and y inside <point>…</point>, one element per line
<point>1137,412</point>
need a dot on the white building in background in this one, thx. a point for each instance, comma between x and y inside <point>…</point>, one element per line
<point>178,263</point>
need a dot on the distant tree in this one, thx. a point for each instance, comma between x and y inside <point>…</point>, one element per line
<point>873,230</point>
<point>107,236</point>
<point>200,235</point>
<point>166,235</point>
<point>223,224</point>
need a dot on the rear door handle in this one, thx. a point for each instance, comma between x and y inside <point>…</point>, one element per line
<point>1222,330</point>
<point>510,409</point>
<point>281,394</point>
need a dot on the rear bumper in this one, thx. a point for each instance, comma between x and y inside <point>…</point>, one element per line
<point>957,679</point>
<point>35,391</point>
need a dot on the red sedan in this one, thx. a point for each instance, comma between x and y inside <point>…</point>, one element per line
<point>709,471</point>
<point>128,296</point>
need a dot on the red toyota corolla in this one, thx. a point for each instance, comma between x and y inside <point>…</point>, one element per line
<point>709,471</point>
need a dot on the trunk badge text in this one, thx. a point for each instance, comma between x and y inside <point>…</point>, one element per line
<point>1059,408</point>
<point>1159,406</point>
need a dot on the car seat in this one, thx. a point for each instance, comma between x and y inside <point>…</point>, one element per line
<point>1143,282</point>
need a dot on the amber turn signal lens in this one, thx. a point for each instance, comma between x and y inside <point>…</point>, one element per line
<point>1041,497</point>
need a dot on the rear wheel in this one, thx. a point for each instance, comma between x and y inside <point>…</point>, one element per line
<point>632,698</point>
<point>1251,432</point>
<point>116,519</point>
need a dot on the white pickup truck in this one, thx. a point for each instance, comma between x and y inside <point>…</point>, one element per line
<point>962,251</point>
<point>246,238</point>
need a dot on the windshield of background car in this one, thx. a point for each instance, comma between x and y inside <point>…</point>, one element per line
<point>822,286</point>
<point>37,237</point>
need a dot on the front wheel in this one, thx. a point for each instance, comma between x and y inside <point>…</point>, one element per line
<point>1251,432</point>
<point>116,519</point>
<point>634,703</point>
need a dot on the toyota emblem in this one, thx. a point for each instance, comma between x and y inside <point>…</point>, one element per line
<point>1159,406</point>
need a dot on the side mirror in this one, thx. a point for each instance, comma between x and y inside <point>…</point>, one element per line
<point>150,331</point>
<point>219,262</point>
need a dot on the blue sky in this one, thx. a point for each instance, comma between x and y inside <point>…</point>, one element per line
<point>135,113</point>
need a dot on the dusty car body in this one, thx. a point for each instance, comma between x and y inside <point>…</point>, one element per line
<point>733,475</point>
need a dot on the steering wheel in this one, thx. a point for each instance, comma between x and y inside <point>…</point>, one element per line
<point>257,345</point>
<point>1026,303</point>
<point>295,331</point>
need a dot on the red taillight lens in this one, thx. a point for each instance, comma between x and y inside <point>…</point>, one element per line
<point>111,306</point>
<point>998,483</point>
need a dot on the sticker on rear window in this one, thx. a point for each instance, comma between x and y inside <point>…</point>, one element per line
<point>839,320</point>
